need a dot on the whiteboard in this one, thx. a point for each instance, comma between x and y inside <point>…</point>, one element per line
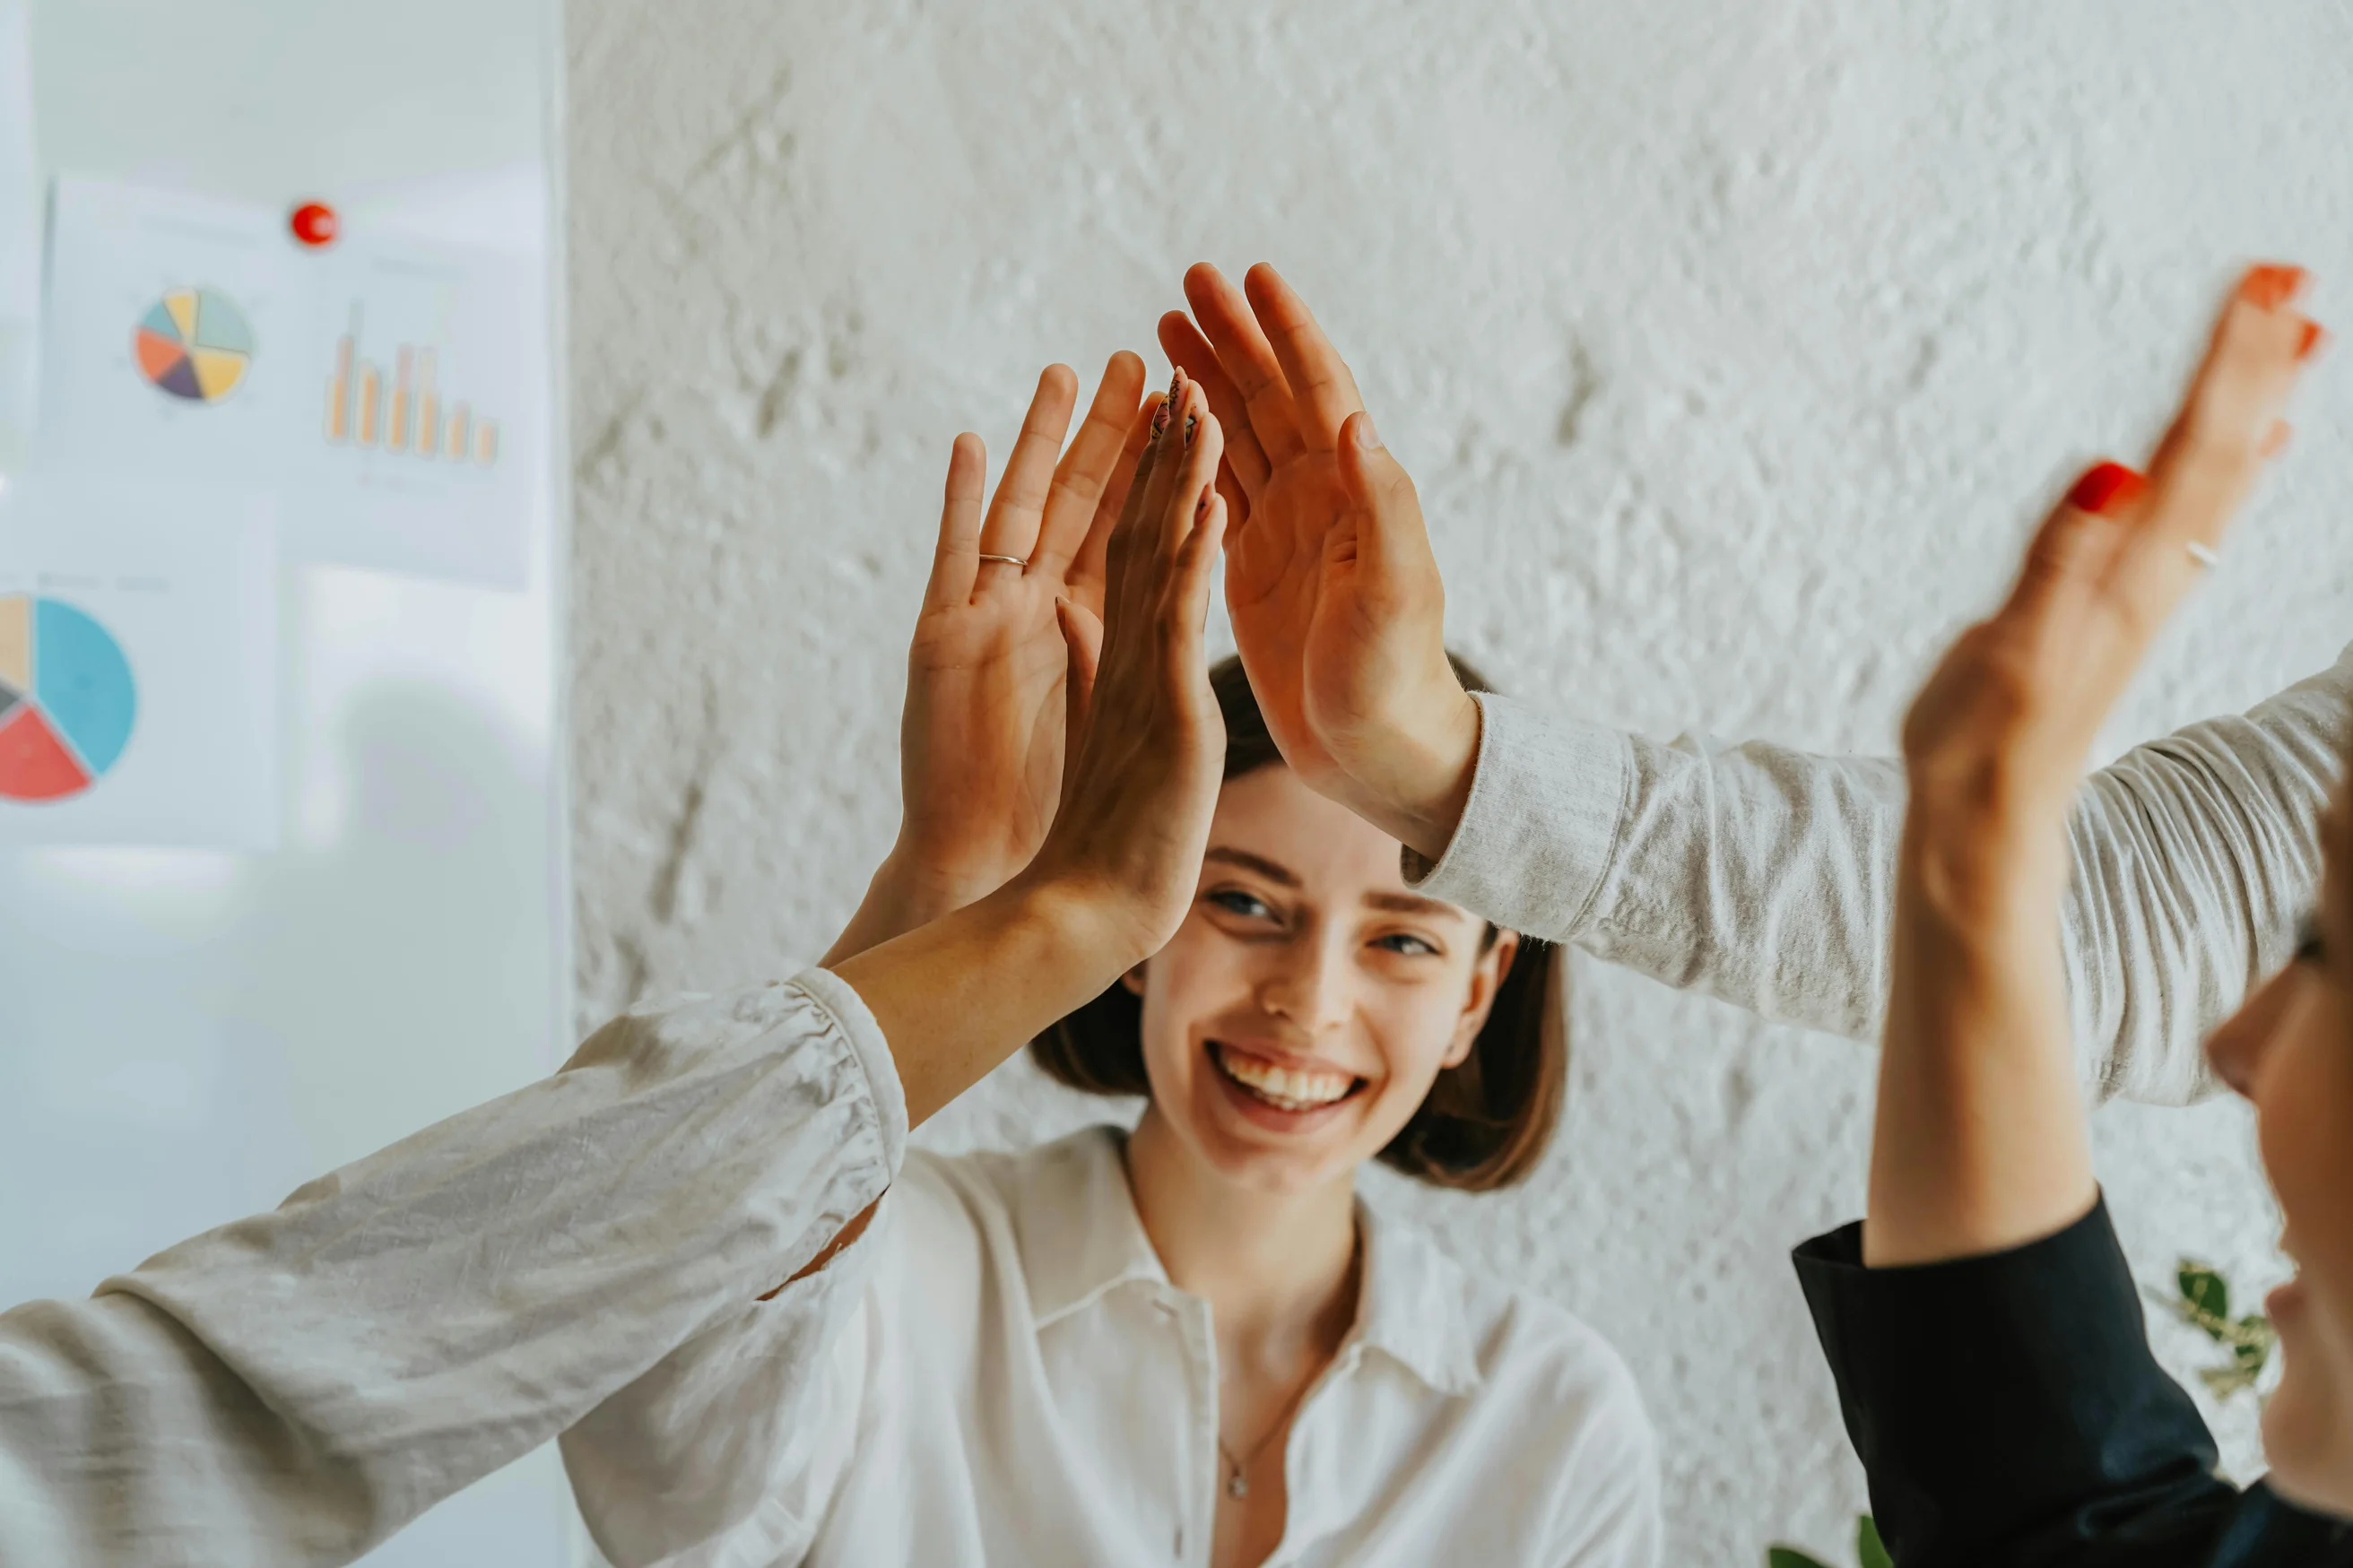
<point>187,1035</point>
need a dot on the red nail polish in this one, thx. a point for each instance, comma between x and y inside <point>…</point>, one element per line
<point>2271,285</point>
<point>2105,488</point>
<point>2314,336</point>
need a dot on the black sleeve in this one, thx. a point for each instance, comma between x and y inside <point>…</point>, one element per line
<point>2009,1415</point>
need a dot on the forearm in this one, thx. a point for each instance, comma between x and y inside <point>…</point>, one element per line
<point>958,996</point>
<point>1765,875</point>
<point>294,1388</point>
<point>1756,874</point>
<point>1980,1141</point>
<point>2196,856</point>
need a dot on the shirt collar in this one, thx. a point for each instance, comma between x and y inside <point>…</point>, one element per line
<point>1080,1237</point>
<point>1077,1220</point>
<point>1411,1305</point>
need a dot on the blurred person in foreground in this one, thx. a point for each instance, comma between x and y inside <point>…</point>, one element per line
<point>1988,1340</point>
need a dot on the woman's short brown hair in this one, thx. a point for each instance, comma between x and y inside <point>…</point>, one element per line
<point>1484,1124</point>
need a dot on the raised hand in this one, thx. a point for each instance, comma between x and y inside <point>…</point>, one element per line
<point>981,736</point>
<point>1980,1142</point>
<point>1121,861</point>
<point>1330,581</point>
<point>1142,775</point>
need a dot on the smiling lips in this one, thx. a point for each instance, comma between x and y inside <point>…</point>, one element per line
<point>1285,1088</point>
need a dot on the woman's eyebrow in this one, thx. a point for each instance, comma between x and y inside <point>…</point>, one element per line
<point>1283,875</point>
<point>1412,904</point>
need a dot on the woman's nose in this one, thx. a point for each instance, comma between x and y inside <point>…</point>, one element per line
<point>2236,1048</point>
<point>1307,983</point>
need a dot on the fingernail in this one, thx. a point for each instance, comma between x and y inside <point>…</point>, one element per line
<point>1160,419</point>
<point>2271,285</point>
<point>1192,421</point>
<point>1176,383</point>
<point>1201,507</point>
<point>1367,437</point>
<point>2105,488</point>
<point>2314,336</point>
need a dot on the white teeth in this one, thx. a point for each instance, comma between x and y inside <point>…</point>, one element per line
<point>1286,1089</point>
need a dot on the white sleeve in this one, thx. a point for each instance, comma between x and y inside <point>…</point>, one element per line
<point>729,1450</point>
<point>292,1388</point>
<point>1766,877</point>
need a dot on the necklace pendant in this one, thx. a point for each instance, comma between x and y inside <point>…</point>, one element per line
<point>1236,1487</point>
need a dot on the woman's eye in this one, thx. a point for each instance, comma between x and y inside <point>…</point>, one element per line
<point>1403,941</point>
<point>1236,902</point>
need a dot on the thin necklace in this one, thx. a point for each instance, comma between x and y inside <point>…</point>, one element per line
<point>1237,1483</point>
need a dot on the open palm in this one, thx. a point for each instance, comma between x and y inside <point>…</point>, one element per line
<point>1334,594</point>
<point>981,738</point>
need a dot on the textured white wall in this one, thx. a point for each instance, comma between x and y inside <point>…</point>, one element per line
<point>1733,343</point>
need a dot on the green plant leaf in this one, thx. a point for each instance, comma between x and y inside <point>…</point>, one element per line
<point>1869,1550</point>
<point>2205,1291</point>
<point>1790,1557</point>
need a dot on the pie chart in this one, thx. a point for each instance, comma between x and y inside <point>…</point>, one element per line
<point>194,344</point>
<point>66,700</point>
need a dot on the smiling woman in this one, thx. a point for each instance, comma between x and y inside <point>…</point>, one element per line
<point>1281,893</point>
<point>1192,1342</point>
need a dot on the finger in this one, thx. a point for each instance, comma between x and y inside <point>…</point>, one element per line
<point>2214,453</point>
<point>956,560</point>
<point>1122,569</point>
<point>1322,393</point>
<point>1186,346</point>
<point>1082,635</point>
<point>1085,582</point>
<point>2072,550</point>
<point>1017,508</point>
<point>1200,446</point>
<point>1246,358</point>
<point>1392,539</point>
<point>1183,566</point>
<point>1086,469</point>
<point>1169,452</point>
<point>1195,571</point>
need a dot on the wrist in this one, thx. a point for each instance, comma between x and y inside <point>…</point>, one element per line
<point>1982,873</point>
<point>1422,783</point>
<point>922,887</point>
<point>1091,929</point>
<point>904,893</point>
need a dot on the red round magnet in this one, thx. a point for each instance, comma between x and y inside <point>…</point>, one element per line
<point>315,224</point>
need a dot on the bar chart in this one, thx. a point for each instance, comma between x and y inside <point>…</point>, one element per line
<point>403,414</point>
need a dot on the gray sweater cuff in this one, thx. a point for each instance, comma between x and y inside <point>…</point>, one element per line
<point>1537,835</point>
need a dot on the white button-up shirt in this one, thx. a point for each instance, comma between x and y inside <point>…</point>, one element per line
<point>1008,1377</point>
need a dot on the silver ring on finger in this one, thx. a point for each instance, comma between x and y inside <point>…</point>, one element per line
<point>1021,561</point>
<point>2205,554</point>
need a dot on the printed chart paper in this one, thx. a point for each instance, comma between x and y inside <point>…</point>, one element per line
<point>20,235</point>
<point>379,388</point>
<point>138,666</point>
<point>173,348</point>
<point>424,443</point>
